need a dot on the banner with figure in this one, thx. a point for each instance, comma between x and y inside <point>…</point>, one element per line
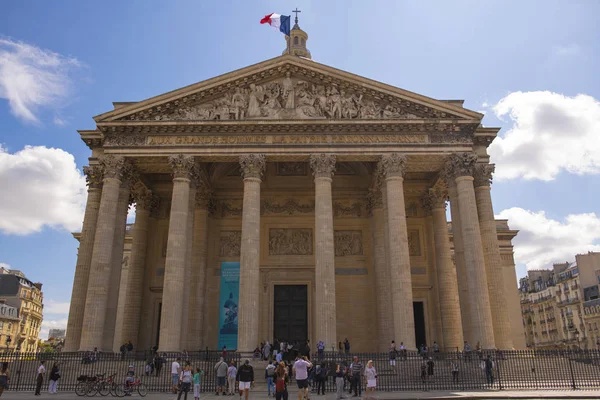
<point>229,299</point>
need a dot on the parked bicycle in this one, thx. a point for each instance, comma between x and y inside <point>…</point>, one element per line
<point>129,387</point>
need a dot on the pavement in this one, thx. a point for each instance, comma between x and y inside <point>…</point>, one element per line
<point>433,395</point>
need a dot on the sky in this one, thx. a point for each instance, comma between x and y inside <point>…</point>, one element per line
<point>531,67</point>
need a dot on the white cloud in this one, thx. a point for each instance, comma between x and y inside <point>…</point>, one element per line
<point>48,324</point>
<point>550,133</point>
<point>31,77</point>
<point>569,50</point>
<point>59,121</point>
<point>4,265</point>
<point>56,307</point>
<point>41,187</point>
<point>131,214</point>
<point>543,241</point>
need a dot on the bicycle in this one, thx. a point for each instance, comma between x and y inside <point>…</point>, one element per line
<point>106,386</point>
<point>126,388</point>
<point>86,385</point>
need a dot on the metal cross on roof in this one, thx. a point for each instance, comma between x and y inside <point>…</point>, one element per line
<point>296,11</point>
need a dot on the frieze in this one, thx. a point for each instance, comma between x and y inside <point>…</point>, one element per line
<point>291,169</point>
<point>230,243</point>
<point>414,243</point>
<point>123,140</point>
<point>290,207</point>
<point>229,209</point>
<point>290,241</point>
<point>348,243</point>
<point>341,210</point>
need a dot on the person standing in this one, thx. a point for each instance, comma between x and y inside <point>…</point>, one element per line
<point>489,370</point>
<point>196,381</point>
<point>41,372</point>
<point>403,353</point>
<point>300,369</point>
<point>245,377</point>
<point>221,372</point>
<point>320,350</point>
<point>454,368</point>
<point>467,351</point>
<point>4,377</point>
<point>436,350</point>
<point>340,347</point>
<point>231,374</point>
<point>340,371</point>
<point>186,382</point>
<point>356,369</point>
<point>393,354</point>
<point>347,345</point>
<point>371,377</point>
<point>321,378</point>
<point>175,371</point>
<point>281,376</point>
<point>270,376</point>
<point>430,365</point>
<point>54,376</point>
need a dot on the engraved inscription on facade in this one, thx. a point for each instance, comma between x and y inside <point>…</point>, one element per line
<point>230,243</point>
<point>290,242</point>
<point>291,169</point>
<point>414,243</point>
<point>348,243</point>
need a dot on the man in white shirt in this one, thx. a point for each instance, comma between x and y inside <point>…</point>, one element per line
<point>40,378</point>
<point>175,371</point>
<point>300,369</point>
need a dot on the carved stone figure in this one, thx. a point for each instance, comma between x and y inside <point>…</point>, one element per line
<point>348,243</point>
<point>354,210</point>
<point>230,243</point>
<point>254,101</point>
<point>288,91</point>
<point>290,242</point>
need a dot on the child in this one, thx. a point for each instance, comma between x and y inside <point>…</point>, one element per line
<point>129,378</point>
<point>196,379</point>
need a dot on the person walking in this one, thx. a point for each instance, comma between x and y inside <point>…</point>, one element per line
<point>454,369</point>
<point>196,381</point>
<point>245,377</point>
<point>221,372</point>
<point>54,376</point>
<point>231,374</point>
<point>281,377</point>
<point>41,372</point>
<point>489,370</point>
<point>321,378</point>
<point>340,371</point>
<point>4,377</point>
<point>186,382</point>
<point>371,378</point>
<point>356,369</point>
<point>300,370</point>
<point>175,371</point>
<point>270,377</point>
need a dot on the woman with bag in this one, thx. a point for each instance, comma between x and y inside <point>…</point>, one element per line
<point>281,376</point>
<point>371,378</point>
<point>185,381</point>
<point>54,376</point>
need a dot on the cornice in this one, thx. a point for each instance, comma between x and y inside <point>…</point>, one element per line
<point>485,136</point>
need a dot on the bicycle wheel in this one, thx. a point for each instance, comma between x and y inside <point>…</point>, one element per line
<point>113,389</point>
<point>92,389</point>
<point>142,390</point>
<point>104,388</point>
<point>120,390</point>
<point>81,389</point>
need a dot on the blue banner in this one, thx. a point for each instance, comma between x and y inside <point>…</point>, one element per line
<point>228,307</point>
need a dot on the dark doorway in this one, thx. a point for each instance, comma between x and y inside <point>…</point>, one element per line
<point>419,314</point>
<point>290,313</point>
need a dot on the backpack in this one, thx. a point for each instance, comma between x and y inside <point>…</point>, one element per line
<point>270,371</point>
<point>280,385</point>
<point>318,370</point>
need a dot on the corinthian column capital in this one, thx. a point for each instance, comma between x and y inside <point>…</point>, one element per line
<point>203,197</point>
<point>435,198</point>
<point>183,166</point>
<point>252,165</point>
<point>483,174</point>
<point>459,164</point>
<point>374,199</point>
<point>93,176</point>
<point>323,165</point>
<point>143,198</point>
<point>393,164</point>
<point>114,166</point>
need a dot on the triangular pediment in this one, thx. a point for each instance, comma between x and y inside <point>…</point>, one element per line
<point>288,88</point>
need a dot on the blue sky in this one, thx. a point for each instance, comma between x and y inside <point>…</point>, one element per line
<point>530,66</point>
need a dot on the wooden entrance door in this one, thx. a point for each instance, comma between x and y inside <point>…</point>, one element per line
<point>290,313</point>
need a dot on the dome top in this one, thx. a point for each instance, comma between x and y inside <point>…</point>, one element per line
<point>296,42</point>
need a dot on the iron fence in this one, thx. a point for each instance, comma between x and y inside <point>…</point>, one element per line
<point>513,370</point>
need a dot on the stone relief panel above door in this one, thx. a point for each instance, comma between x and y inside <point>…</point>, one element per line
<point>290,241</point>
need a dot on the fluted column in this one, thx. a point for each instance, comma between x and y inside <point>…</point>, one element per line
<point>174,280</point>
<point>460,168</point>
<point>199,265</point>
<point>185,313</point>
<point>392,167</point>
<point>94,318</point>
<point>144,202</point>
<point>252,166</point>
<point>435,201</point>
<point>93,176</point>
<point>491,253</point>
<point>323,166</point>
<point>117,264</point>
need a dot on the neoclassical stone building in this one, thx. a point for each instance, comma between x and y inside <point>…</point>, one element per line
<point>330,191</point>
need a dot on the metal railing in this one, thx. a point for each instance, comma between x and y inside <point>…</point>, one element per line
<point>514,370</point>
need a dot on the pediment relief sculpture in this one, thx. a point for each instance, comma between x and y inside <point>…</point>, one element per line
<point>288,98</point>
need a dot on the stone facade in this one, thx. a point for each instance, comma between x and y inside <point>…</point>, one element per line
<point>306,175</point>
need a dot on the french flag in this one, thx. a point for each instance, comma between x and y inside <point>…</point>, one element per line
<point>279,22</point>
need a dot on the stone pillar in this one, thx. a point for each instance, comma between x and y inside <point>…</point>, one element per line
<point>459,261</point>
<point>144,202</point>
<point>117,264</point>
<point>460,167</point>
<point>252,166</point>
<point>94,317</point>
<point>185,317</point>
<point>385,327</point>
<point>174,280</point>
<point>435,201</point>
<point>392,167</point>
<point>491,253</point>
<point>199,266</point>
<point>323,166</point>
<point>93,176</point>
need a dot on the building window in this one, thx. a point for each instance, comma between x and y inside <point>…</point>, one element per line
<point>295,40</point>
<point>303,42</point>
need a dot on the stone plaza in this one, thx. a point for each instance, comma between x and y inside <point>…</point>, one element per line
<point>330,191</point>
